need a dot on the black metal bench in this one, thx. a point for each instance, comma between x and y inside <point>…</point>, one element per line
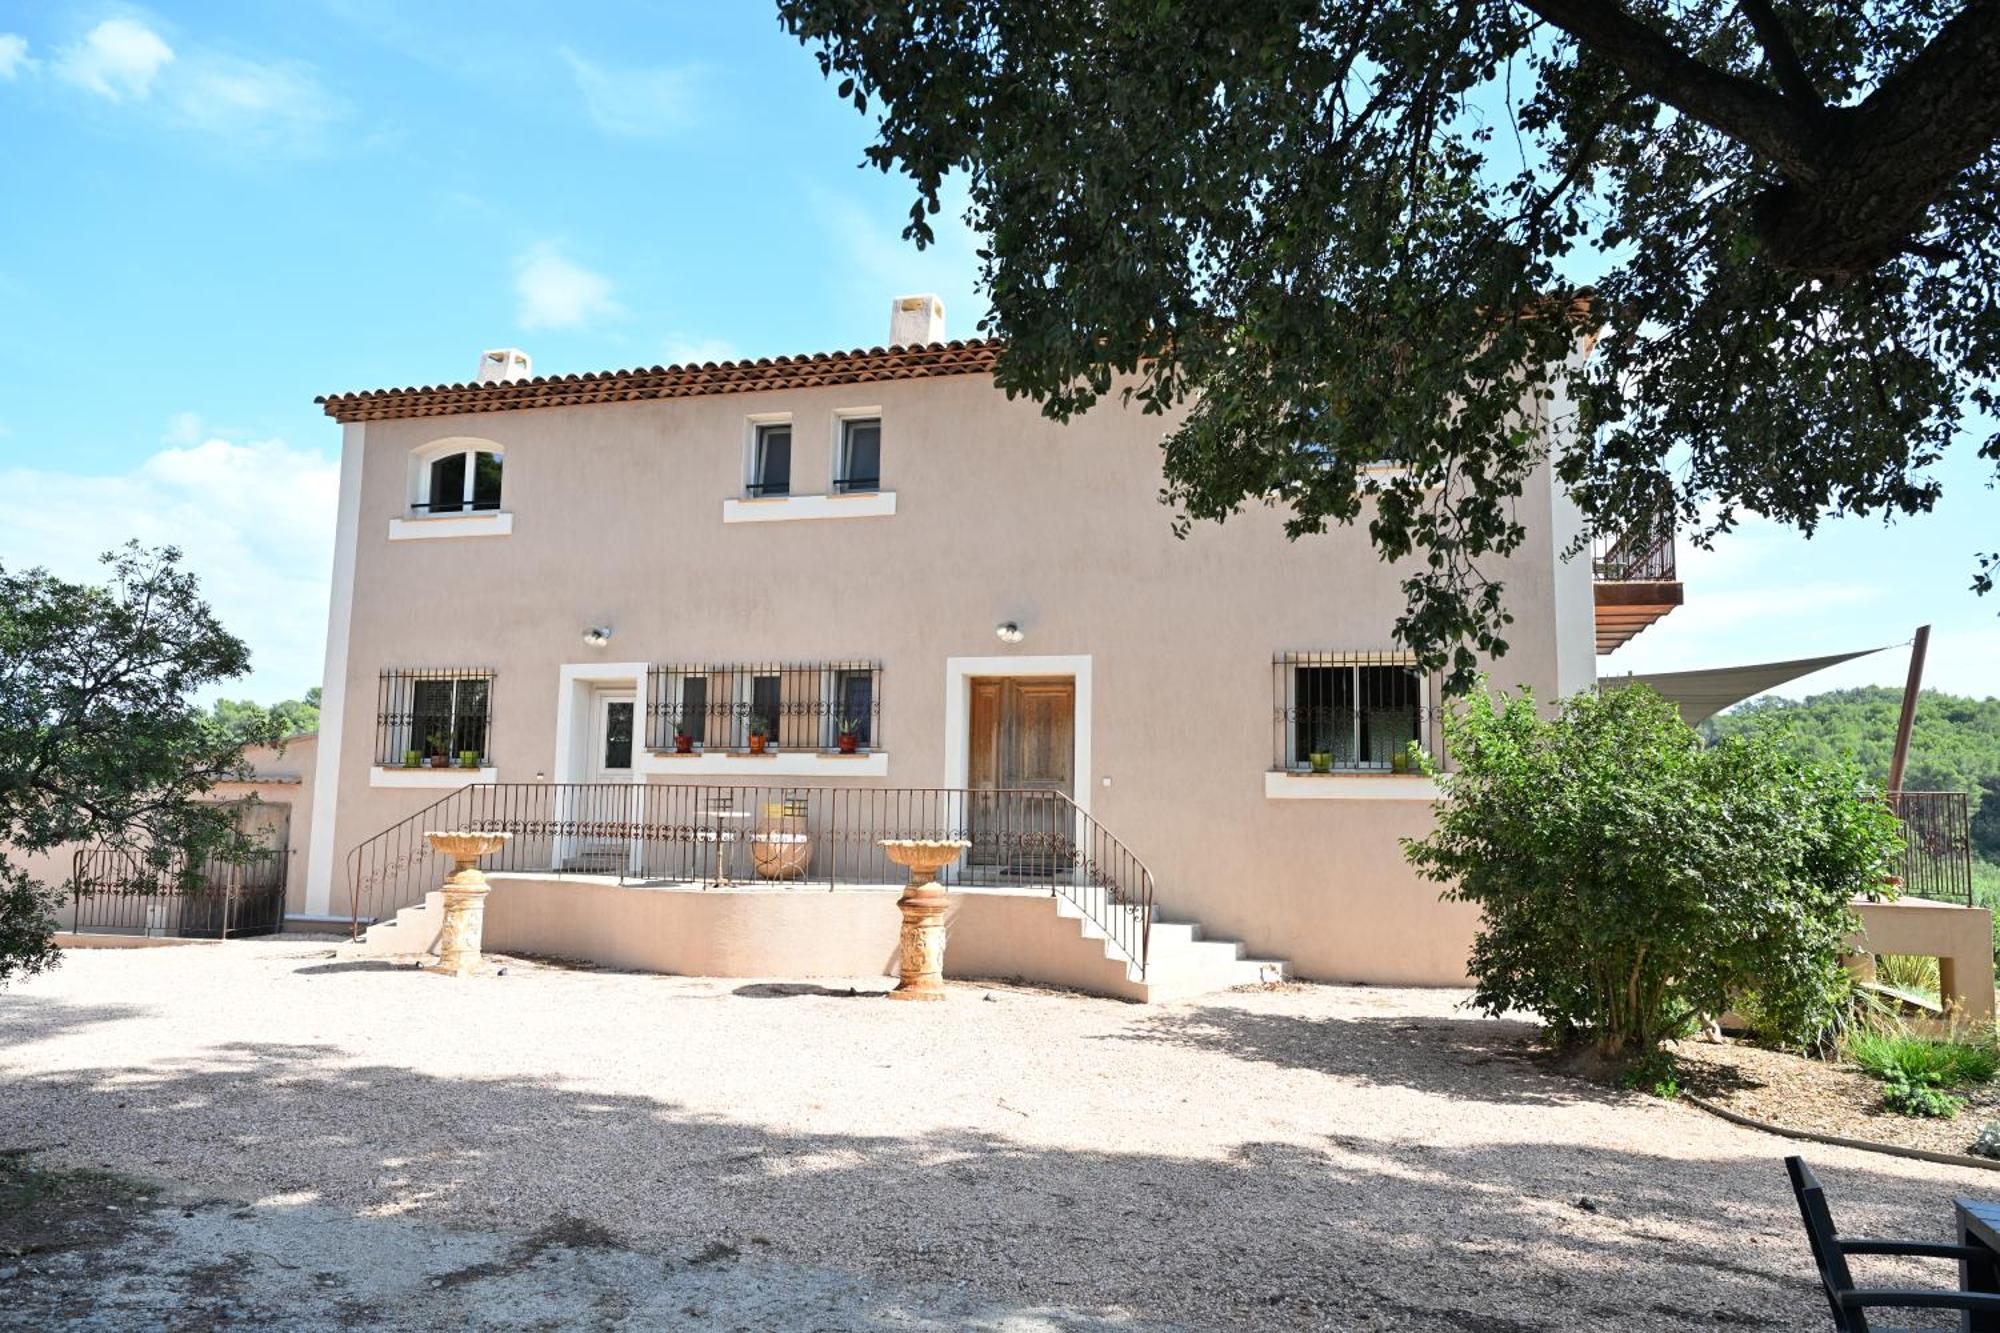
<point>1851,1303</point>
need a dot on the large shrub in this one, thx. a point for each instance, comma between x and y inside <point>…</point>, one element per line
<point>1632,879</point>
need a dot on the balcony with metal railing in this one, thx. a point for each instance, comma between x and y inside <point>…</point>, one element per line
<point>1635,581</point>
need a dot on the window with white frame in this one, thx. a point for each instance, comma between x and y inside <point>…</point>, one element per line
<point>1350,712</point>
<point>771,459</point>
<point>859,463</point>
<point>459,481</point>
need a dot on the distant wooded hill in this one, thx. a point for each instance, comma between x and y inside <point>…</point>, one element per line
<point>1955,745</point>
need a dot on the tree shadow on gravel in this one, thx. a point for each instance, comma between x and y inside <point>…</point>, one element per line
<point>25,1018</point>
<point>1369,1230</point>
<point>1472,1059</point>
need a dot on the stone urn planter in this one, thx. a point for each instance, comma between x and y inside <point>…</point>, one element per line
<point>464,898</point>
<point>923,905</point>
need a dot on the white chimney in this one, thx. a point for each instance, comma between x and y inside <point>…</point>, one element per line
<point>503,364</point>
<point>915,321</point>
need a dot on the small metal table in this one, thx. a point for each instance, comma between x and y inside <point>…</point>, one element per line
<point>724,831</point>
<point>1979,1224</point>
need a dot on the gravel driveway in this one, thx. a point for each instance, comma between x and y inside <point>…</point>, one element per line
<point>346,1142</point>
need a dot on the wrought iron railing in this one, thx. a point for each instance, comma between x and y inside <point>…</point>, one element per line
<point>696,707</point>
<point>1937,844</point>
<point>433,718</point>
<point>1640,554</point>
<point>712,836</point>
<point>1350,712</point>
<point>123,892</point>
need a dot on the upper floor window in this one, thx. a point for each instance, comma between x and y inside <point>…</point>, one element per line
<point>1350,712</point>
<point>794,706</point>
<point>433,718</point>
<point>860,459</point>
<point>459,481</point>
<point>771,459</point>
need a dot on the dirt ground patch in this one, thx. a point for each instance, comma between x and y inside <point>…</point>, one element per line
<point>1824,1098</point>
<point>342,1139</point>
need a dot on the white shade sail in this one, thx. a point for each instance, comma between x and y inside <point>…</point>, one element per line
<point>1703,693</point>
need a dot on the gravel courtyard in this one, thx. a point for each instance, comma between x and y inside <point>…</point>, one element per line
<point>347,1142</point>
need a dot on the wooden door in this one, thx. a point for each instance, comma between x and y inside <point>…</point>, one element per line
<point>1023,740</point>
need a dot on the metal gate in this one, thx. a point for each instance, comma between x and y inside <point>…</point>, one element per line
<point>121,893</point>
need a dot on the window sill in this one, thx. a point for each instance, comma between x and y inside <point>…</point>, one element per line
<point>771,763</point>
<point>497,523</point>
<point>1349,786</point>
<point>432,777</point>
<point>791,508</point>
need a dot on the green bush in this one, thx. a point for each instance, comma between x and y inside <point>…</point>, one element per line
<point>1921,1102</point>
<point>1930,1062</point>
<point>1631,879</point>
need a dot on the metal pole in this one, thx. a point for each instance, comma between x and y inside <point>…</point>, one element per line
<point>1909,717</point>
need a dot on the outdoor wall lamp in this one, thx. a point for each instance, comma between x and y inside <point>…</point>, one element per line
<point>597,636</point>
<point>1009,632</point>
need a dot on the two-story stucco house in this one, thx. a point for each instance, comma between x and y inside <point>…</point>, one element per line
<point>700,634</point>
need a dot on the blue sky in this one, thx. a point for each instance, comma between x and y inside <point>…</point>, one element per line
<point>211,213</point>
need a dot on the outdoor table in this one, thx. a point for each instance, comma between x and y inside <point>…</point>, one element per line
<point>1979,1224</point>
<point>724,838</point>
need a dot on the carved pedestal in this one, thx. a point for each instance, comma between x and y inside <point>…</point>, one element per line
<point>923,905</point>
<point>464,899</point>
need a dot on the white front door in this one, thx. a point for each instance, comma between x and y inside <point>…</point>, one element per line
<point>614,733</point>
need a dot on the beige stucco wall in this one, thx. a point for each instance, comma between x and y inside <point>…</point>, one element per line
<point>773,932</point>
<point>1960,938</point>
<point>1001,515</point>
<point>287,774</point>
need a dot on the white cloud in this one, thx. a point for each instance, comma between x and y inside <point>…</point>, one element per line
<point>636,103</point>
<point>117,59</point>
<point>13,56</point>
<point>279,104</point>
<point>255,520</point>
<point>247,103</point>
<point>557,293</point>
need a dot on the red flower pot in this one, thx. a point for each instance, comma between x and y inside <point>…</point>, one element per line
<point>848,741</point>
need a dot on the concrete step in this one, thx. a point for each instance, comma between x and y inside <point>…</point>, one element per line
<point>414,929</point>
<point>1181,960</point>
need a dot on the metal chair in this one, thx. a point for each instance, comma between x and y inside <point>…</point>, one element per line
<point>1850,1303</point>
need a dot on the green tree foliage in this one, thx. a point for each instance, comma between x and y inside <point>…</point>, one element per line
<point>1631,878</point>
<point>1320,235</point>
<point>99,741</point>
<point>1954,744</point>
<point>290,717</point>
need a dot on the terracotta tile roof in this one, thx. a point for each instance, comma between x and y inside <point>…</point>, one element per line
<point>861,366</point>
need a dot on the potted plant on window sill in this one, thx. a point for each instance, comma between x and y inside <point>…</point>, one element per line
<point>1321,761</point>
<point>760,733</point>
<point>683,743</point>
<point>440,756</point>
<point>1409,759</point>
<point>468,759</point>
<point>848,735</point>
<point>413,759</point>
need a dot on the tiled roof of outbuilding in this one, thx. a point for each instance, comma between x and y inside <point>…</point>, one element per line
<point>860,366</point>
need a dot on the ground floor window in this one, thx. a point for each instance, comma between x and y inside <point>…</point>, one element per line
<point>723,707</point>
<point>433,718</point>
<point>1337,712</point>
